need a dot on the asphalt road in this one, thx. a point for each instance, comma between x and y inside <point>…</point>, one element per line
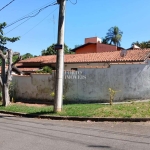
<point>40,134</point>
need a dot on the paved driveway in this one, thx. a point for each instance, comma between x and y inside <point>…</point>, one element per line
<point>37,134</point>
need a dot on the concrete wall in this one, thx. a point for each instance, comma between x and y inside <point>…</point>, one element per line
<point>34,87</point>
<point>132,81</point>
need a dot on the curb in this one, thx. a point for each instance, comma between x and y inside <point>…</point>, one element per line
<point>96,119</point>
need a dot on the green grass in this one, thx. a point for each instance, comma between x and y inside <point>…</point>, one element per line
<point>130,110</point>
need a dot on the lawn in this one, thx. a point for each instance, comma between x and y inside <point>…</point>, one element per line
<point>130,110</point>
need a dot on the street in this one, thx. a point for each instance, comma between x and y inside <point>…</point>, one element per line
<point>18,133</point>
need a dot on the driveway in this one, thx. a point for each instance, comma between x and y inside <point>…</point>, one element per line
<point>40,134</point>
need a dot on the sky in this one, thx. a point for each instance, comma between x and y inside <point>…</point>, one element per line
<point>86,18</point>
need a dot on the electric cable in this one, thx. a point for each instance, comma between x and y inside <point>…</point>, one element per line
<point>32,14</point>
<point>39,22</point>
<point>73,3</point>
<point>17,26</point>
<point>6,5</point>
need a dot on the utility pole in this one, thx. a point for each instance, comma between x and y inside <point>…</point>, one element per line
<point>60,59</point>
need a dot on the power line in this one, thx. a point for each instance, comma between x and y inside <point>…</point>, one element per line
<point>33,26</point>
<point>39,23</point>
<point>30,15</point>
<point>73,3</point>
<point>17,26</point>
<point>6,5</point>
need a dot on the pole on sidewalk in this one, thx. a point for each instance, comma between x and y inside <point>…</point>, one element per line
<point>60,58</point>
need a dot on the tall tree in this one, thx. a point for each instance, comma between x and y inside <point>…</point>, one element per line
<point>6,56</point>
<point>51,51</point>
<point>114,36</point>
<point>6,76</point>
<point>4,39</point>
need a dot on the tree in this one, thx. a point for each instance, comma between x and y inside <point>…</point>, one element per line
<point>45,69</point>
<point>6,77</point>
<point>142,45</point>
<point>114,36</point>
<point>3,39</point>
<point>51,51</point>
<point>6,55</point>
<point>104,41</point>
<point>77,45</point>
<point>27,55</point>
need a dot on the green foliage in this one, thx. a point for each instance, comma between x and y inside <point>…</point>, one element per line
<point>112,94</point>
<point>129,110</point>
<point>27,109</point>
<point>105,41</point>
<point>114,36</point>
<point>12,91</point>
<point>3,39</point>
<point>0,95</point>
<point>53,95</point>
<point>14,58</point>
<point>27,55</point>
<point>45,69</point>
<point>78,45</point>
<point>51,51</point>
<point>144,44</point>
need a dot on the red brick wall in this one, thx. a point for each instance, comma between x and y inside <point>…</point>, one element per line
<point>87,49</point>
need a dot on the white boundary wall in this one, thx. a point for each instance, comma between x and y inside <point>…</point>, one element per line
<point>34,87</point>
<point>132,81</point>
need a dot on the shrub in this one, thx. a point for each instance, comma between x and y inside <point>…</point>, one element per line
<point>45,69</point>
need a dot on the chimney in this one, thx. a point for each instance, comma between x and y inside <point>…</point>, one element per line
<point>93,40</point>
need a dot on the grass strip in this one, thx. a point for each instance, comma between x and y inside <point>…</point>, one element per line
<point>130,110</point>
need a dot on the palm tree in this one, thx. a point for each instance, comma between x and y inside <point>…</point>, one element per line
<point>114,36</point>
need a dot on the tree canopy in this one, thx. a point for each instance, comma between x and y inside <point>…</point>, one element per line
<point>105,41</point>
<point>51,51</point>
<point>142,45</point>
<point>113,36</point>
<point>27,55</point>
<point>4,39</point>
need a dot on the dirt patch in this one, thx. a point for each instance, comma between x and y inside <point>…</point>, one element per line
<point>34,105</point>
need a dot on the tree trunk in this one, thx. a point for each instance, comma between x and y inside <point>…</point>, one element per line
<point>5,95</point>
<point>6,76</point>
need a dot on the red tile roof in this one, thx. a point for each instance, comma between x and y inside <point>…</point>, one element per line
<point>131,56</point>
<point>38,59</point>
<point>29,69</point>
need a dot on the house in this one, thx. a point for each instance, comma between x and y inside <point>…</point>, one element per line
<point>87,60</point>
<point>95,45</point>
<point>124,71</point>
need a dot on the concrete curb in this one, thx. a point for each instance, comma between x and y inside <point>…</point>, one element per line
<point>96,119</point>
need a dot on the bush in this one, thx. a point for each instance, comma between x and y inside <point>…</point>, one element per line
<point>45,69</point>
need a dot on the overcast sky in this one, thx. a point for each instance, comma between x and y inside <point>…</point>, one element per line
<point>88,18</point>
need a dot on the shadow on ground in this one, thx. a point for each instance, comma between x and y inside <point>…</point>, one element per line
<point>99,146</point>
